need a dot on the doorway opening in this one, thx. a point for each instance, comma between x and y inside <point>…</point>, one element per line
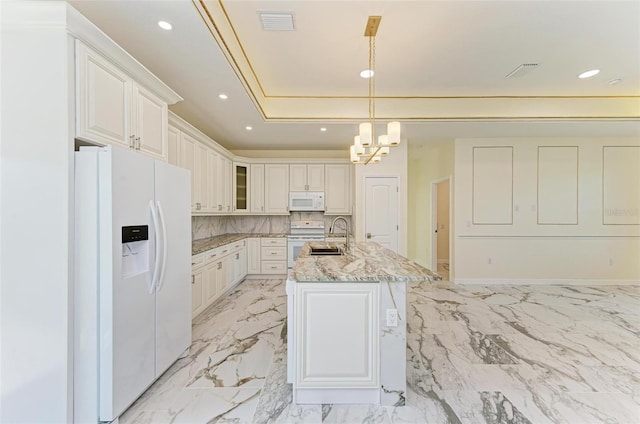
<point>440,225</point>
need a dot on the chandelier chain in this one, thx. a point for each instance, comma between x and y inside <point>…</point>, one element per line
<point>372,86</point>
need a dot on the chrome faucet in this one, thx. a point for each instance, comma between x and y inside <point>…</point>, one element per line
<point>346,229</point>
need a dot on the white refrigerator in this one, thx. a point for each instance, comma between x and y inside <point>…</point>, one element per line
<point>132,277</point>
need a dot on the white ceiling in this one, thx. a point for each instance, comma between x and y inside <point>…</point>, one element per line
<point>440,67</point>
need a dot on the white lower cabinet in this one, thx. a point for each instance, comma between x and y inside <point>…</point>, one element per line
<point>197,298</point>
<point>273,255</point>
<point>329,315</point>
<point>253,256</point>
<point>222,274</point>
<point>211,282</point>
<point>215,271</point>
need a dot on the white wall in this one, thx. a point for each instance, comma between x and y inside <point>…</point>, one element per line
<point>544,209</point>
<point>427,163</point>
<point>394,165</point>
<point>36,201</point>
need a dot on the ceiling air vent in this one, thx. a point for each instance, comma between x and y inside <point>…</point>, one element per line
<point>277,21</point>
<point>522,70</point>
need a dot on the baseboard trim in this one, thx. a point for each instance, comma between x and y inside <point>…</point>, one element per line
<point>541,282</point>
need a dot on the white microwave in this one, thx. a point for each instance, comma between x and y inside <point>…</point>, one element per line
<point>306,201</point>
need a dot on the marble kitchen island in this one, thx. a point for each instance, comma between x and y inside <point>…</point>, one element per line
<point>347,325</point>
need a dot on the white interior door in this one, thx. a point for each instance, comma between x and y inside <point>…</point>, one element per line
<point>381,211</point>
<point>173,292</point>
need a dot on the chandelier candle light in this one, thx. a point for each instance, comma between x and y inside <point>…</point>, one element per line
<point>366,147</point>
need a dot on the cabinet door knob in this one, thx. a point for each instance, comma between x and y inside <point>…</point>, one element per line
<point>368,235</point>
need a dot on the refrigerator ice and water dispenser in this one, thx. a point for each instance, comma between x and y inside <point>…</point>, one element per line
<point>135,250</point>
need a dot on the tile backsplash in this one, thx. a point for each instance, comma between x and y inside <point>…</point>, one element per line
<point>210,226</point>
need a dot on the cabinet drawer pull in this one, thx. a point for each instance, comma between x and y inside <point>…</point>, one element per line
<point>225,251</point>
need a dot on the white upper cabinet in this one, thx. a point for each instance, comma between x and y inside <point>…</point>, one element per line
<point>203,185</point>
<point>227,185</point>
<point>150,122</point>
<point>241,184</point>
<point>337,189</point>
<point>256,188</point>
<point>315,177</point>
<point>194,158</point>
<point>103,109</point>
<point>173,146</point>
<point>114,109</point>
<point>188,161</point>
<point>303,177</point>
<point>276,192</point>
<point>213,165</point>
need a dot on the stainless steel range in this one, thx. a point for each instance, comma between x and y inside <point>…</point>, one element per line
<point>301,232</point>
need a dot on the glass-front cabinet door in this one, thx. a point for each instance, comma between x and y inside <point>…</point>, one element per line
<point>240,187</point>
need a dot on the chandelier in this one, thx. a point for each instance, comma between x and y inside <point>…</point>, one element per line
<point>366,147</point>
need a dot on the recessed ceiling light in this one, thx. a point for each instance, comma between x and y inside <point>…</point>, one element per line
<point>367,73</point>
<point>589,74</point>
<point>615,81</point>
<point>248,128</point>
<point>165,25</point>
<point>323,129</point>
<point>223,96</point>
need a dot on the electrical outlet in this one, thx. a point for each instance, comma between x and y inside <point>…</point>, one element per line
<point>610,262</point>
<point>489,261</point>
<point>392,317</point>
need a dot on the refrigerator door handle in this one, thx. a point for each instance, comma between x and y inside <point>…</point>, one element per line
<point>156,227</point>
<point>164,245</point>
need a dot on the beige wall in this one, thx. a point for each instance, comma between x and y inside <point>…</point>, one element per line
<point>427,163</point>
<point>544,209</point>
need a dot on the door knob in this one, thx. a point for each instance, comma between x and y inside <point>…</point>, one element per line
<point>368,235</point>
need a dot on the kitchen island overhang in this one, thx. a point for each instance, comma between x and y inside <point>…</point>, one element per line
<point>347,325</point>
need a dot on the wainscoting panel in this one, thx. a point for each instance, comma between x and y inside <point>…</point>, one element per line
<point>493,185</point>
<point>558,185</point>
<point>620,189</point>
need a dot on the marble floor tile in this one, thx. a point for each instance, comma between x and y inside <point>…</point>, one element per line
<point>475,354</point>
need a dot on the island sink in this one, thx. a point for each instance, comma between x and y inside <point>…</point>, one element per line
<point>324,251</point>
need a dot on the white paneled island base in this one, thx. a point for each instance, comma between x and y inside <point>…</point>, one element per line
<point>342,346</point>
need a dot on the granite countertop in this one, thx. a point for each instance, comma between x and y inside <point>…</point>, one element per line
<point>202,245</point>
<point>365,262</point>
